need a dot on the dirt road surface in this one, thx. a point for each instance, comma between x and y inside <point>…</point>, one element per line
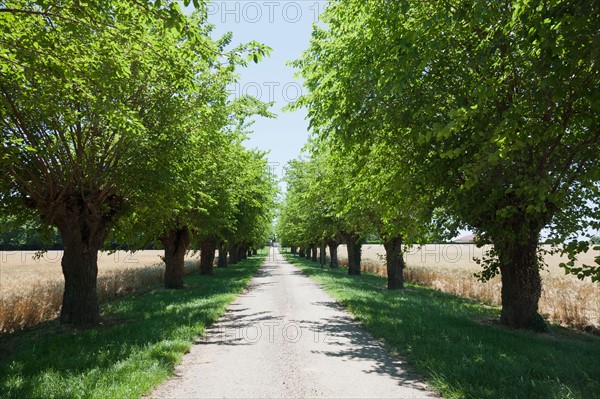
<point>286,338</point>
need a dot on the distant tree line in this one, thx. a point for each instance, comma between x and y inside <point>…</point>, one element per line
<point>33,236</point>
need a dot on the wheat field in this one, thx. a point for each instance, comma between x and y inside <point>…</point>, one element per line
<point>31,287</point>
<point>565,299</point>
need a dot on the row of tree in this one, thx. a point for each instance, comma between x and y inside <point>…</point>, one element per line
<point>428,117</point>
<point>115,120</point>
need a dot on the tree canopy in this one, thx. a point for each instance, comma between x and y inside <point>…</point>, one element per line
<point>113,111</point>
<point>474,114</point>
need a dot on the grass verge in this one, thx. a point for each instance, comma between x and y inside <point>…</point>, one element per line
<point>136,348</point>
<point>458,347</point>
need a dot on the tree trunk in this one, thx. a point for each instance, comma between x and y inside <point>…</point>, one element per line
<point>176,243</point>
<point>313,253</point>
<point>293,250</point>
<point>301,252</point>
<point>82,237</point>
<point>83,220</point>
<point>233,259</point>
<point>207,256</point>
<point>394,262</point>
<point>354,254</point>
<point>333,256</point>
<point>241,252</point>
<point>521,284</point>
<point>255,252</point>
<point>222,259</point>
<point>322,254</point>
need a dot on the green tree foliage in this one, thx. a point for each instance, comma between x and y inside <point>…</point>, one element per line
<point>105,111</point>
<point>318,210</point>
<point>255,205</point>
<point>488,108</point>
<point>302,219</point>
<point>30,235</point>
<point>344,194</point>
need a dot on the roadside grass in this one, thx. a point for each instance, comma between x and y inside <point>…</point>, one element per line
<point>458,346</point>
<point>141,340</point>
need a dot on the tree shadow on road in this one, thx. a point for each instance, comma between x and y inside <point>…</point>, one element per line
<point>351,342</point>
<point>237,328</point>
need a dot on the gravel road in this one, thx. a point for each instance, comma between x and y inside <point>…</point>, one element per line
<point>286,338</point>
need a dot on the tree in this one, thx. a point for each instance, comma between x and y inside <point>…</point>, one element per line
<point>202,172</point>
<point>318,211</point>
<point>212,226</point>
<point>495,103</point>
<point>302,218</point>
<point>398,208</point>
<point>68,138</point>
<point>89,104</point>
<point>255,205</point>
<point>241,214</point>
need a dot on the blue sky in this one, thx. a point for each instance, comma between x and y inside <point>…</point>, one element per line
<point>286,27</point>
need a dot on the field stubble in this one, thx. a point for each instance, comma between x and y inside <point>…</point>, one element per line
<point>31,288</point>
<point>565,299</point>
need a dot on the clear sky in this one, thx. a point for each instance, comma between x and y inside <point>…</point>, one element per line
<point>286,27</point>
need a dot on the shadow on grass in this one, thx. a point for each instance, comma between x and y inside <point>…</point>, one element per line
<point>460,356</point>
<point>126,358</point>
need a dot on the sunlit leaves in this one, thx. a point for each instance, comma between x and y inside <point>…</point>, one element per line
<point>492,104</point>
<point>120,98</point>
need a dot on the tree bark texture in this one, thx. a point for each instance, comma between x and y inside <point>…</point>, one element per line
<point>322,254</point>
<point>333,254</point>
<point>83,222</point>
<point>354,254</point>
<point>176,243</point>
<point>82,241</point>
<point>313,253</point>
<point>207,255</point>
<point>241,252</point>
<point>521,284</point>
<point>233,254</point>
<point>394,262</point>
<point>222,259</point>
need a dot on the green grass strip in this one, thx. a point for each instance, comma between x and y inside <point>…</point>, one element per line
<point>458,348</point>
<point>142,340</point>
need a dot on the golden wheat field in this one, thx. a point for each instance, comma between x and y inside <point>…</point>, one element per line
<point>565,299</point>
<point>31,287</point>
